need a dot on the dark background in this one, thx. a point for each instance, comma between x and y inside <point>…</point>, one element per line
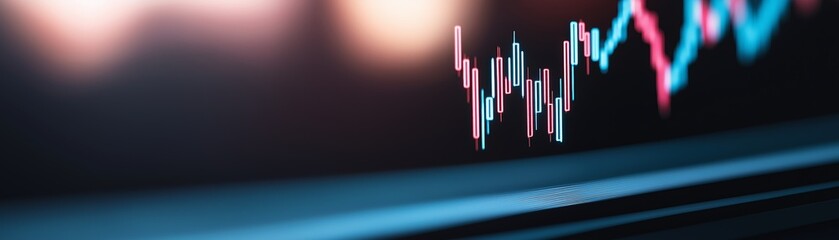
<point>176,116</point>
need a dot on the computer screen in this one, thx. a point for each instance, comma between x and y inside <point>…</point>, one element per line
<point>107,97</point>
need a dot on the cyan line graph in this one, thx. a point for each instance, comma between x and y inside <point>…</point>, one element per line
<point>705,23</point>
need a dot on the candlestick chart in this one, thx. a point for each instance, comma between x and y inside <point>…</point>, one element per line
<point>548,93</point>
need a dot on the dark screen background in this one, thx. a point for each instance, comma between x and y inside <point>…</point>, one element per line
<point>175,116</point>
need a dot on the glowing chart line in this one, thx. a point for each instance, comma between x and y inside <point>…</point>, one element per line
<point>457,51</point>
<point>705,23</point>
<point>476,105</point>
<point>529,112</point>
<point>566,68</point>
<point>646,23</point>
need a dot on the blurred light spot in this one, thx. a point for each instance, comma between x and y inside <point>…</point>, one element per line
<point>388,34</point>
<point>76,37</point>
<point>244,30</point>
<point>78,40</point>
<point>807,7</point>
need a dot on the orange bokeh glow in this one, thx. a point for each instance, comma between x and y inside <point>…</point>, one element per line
<point>393,34</point>
<point>79,40</point>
